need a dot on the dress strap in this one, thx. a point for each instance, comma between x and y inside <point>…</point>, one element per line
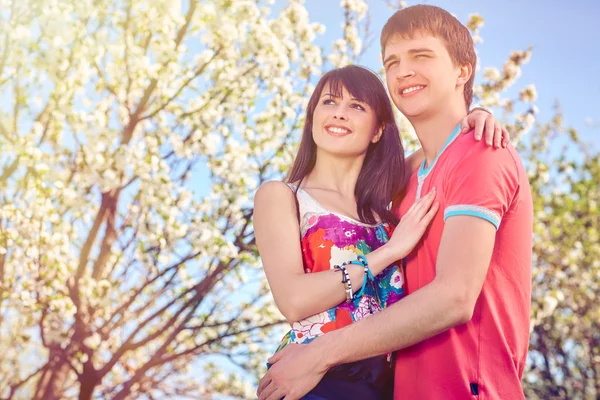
<point>305,202</point>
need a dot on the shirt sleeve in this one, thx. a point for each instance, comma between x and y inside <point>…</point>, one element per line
<point>482,184</point>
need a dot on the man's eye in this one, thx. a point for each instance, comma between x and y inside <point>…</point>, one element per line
<point>391,64</point>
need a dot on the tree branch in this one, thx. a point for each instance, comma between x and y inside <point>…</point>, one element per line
<point>110,234</point>
<point>196,74</point>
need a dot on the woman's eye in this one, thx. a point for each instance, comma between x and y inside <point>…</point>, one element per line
<point>328,101</point>
<point>358,107</point>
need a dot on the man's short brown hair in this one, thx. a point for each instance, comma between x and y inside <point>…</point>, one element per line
<point>439,23</point>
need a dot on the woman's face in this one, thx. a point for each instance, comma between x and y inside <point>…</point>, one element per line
<point>343,125</point>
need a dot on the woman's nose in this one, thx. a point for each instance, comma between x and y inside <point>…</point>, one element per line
<point>340,113</point>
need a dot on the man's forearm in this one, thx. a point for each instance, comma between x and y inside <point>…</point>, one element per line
<point>425,313</point>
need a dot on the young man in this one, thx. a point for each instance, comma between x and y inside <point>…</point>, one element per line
<point>463,329</point>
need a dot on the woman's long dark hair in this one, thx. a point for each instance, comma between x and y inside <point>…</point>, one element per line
<point>382,175</point>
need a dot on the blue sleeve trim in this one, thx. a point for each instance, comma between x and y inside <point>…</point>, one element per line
<point>473,211</point>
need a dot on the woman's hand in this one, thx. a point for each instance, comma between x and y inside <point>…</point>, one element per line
<point>484,123</point>
<point>412,225</point>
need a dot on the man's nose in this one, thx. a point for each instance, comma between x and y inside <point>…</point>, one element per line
<point>406,73</point>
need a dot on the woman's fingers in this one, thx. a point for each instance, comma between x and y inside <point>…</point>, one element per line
<point>498,137</point>
<point>464,125</point>
<point>426,220</point>
<point>505,137</point>
<point>423,204</point>
<point>489,130</point>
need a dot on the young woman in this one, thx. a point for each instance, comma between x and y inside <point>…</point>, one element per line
<point>327,237</point>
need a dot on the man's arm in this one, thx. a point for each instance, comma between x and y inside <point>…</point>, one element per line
<point>463,260</point>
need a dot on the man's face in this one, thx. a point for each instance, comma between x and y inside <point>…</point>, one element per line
<point>421,76</point>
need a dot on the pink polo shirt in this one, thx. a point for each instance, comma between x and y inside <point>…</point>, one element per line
<point>484,357</point>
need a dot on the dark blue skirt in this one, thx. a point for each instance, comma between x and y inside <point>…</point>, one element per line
<point>370,379</point>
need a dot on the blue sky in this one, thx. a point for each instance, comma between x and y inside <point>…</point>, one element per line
<point>565,64</point>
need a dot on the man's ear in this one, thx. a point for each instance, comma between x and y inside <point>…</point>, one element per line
<point>378,134</point>
<point>465,74</point>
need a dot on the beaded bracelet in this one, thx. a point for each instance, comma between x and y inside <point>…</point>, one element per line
<point>346,281</point>
<point>368,276</point>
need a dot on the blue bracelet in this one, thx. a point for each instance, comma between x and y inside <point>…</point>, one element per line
<point>363,260</point>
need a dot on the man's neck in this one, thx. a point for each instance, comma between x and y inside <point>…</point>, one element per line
<point>433,132</point>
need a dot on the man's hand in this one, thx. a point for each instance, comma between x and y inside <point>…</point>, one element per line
<point>295,371</point>
<point>482,122</point>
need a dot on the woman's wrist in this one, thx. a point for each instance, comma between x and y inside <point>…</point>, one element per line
<point>381,258</point>
<point>398,252</point>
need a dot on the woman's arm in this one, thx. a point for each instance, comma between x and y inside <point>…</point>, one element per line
<point>299,295</point>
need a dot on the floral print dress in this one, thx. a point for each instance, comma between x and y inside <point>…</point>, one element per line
<point>329,239</point>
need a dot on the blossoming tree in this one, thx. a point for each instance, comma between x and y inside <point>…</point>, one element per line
<point>133,136</point>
